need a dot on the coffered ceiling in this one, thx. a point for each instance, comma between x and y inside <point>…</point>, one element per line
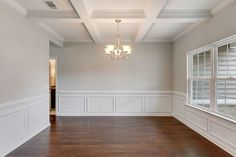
<point>94,20</point>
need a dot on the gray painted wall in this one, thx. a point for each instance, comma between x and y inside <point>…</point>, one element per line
<point>24,55</point>
<point>86,67</point>
<point>220,26</point>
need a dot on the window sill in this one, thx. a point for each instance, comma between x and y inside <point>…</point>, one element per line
<point>212,113</point>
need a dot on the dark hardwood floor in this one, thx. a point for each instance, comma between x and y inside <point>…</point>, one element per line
<point>118,137</point>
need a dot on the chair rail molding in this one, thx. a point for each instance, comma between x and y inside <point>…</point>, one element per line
<point>27,117</point>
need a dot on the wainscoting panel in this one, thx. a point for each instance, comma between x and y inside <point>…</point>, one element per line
<point>13,128</point>
<point>178,102</point>
<point>72,104</point>
<point>158,104</point>
<point>116,103</point>
<point>100,104</point>
<point>129,104</point>
<point>217,129</point>
<point>223,133</point>
<point>38,116</point>
<point>21,120</point>
<point>197,119</point>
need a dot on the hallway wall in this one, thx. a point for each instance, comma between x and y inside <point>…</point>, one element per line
<point>24,54</point>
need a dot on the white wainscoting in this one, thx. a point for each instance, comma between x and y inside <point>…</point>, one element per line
<point>114,103</point>
<point>217,129</point>
<point>17,119</point>
<point>21,120</point>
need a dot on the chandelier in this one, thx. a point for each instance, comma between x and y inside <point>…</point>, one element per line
<point>118,51</point>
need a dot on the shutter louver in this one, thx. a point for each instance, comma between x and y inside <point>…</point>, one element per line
<point>226,80</point>
<point>201,73</point>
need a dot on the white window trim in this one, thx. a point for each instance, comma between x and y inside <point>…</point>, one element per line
<point>189,72</point>
<point>213,93</point>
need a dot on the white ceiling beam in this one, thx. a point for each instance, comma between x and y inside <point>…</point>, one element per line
<point>52,14</point>
<point>57,20</point>
<point>125,16</point>
<point>112,20</point>
<point>157,40</point>
<point>128,16</point>
<point>152,11</point>
<point>118,14</point>
<point>55,16</point>
<point>184,16</point>
<point>80,8</point>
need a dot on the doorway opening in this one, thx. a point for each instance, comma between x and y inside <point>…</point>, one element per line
<point>52,85</point>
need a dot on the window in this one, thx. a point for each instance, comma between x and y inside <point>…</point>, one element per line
<point>200,76</point>
<point>212,77</point>
<point>226,79</point>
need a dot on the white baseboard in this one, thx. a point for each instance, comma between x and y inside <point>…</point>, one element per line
<point>205,124</point>
<point>27,117</point>
<point>117,114</point>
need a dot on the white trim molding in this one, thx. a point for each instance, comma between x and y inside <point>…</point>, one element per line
<point>219,130</point>
<point>18,121</point>
<point>221,6</point>
<point>114,103</point>
<point>16,6</point>
<point>23,114</point>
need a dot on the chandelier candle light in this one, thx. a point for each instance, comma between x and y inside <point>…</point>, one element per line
<point>118,51</point>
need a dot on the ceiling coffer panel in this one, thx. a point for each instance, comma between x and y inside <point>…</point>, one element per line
<point>108,31</point>
<point>165,31</point>
<point>46,4</point>
<point>142,20</point>
<point>72,32</point>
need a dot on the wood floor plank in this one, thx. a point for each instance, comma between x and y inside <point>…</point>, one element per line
<point>118,137</point>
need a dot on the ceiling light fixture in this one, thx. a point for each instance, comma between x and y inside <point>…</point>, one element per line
<point>118,51</point>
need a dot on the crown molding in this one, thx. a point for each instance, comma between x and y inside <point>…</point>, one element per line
<point>153,40</point>
<point>51,31</point>
<point>221,6</point>
<point>185,16</point>
<point>16,6</point>
<point>188,29</point>
<point>127,16</point>
<point>213,12</point>
<point>184,13</point>
<point>52,14</point>
<point>118,14</point>
<point>78,41</point>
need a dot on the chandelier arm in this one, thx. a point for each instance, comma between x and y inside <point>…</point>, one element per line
<point>118,51</point>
